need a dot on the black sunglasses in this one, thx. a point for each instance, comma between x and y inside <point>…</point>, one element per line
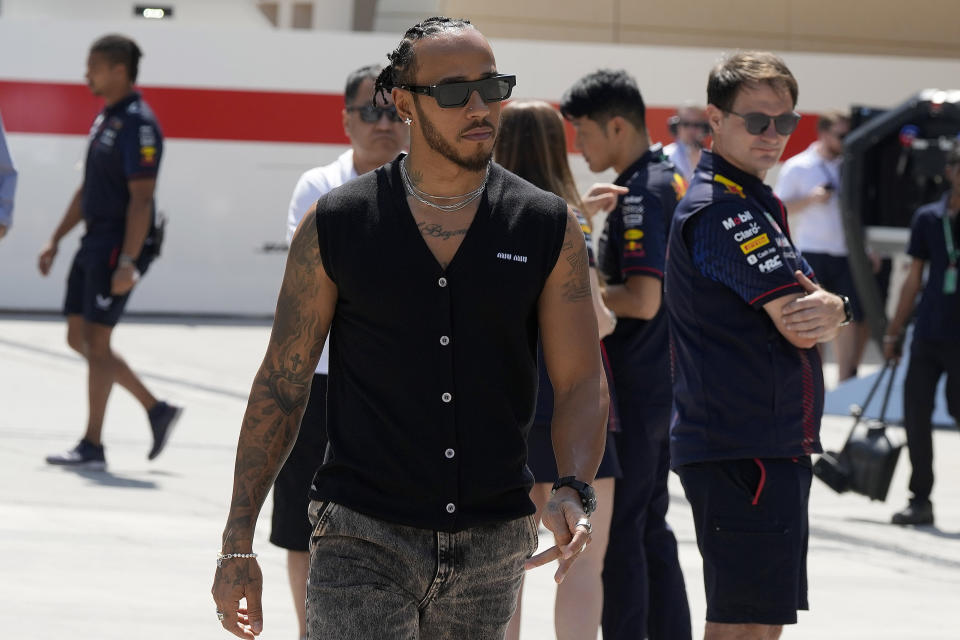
<point>371,113</point>
<point>456,94</point>
<point>757,123</point>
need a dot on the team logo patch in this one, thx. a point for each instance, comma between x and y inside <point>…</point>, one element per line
<point>752,245</point>
<point>771,264</point>
<point>679,185</point>
<point>737,220</point>
<point>732,187</point>
<point>633,234</point>
<point>148,155</point>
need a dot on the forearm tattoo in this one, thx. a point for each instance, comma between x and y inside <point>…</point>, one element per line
<point>281,386</point>
<point>577,285</point>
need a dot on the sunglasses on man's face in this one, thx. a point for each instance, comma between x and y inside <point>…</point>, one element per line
<point>757,123</point>
<point>370,113</point>
<point>457,94</point>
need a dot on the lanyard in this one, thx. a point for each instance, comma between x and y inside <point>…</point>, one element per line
<point>952,253</point>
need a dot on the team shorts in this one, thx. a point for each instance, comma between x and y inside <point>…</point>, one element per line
<point>88,285</point>
<point>752,529</point>
<point>543,462</point>
<point>290,524</point>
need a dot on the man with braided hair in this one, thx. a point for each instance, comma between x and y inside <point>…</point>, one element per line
<point>422,521</point>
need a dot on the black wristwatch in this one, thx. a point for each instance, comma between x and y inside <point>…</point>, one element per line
<point>587,495</point>
<point>847,311</point>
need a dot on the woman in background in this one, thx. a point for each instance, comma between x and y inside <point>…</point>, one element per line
<point>532,144</point>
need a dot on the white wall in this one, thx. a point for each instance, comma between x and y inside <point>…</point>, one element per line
<point>208,12</point>
<point>226,199</point>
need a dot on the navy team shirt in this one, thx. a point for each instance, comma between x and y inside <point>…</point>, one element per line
<point>634,242</point>
<point>125,144</point>
<point>741,389</point>
<point>938,314</point>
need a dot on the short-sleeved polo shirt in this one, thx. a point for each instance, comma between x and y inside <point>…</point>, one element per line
<point>938,314</point>
<point>634,243</point>
<point>125,144</point>
<point>741,389</point>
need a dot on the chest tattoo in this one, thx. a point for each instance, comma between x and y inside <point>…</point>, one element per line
<point>436,230</point>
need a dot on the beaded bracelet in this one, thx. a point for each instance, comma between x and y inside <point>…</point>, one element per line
<point>226,556</point>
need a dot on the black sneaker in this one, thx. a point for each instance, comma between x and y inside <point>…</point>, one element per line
<point>915,513</point>
<point>163,417</point>
<point>85,455</point>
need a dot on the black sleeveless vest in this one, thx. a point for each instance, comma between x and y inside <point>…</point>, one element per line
<point>433,372</point>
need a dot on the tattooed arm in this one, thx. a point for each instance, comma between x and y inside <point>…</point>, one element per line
<point>304,311</point>
<point>571,349</point>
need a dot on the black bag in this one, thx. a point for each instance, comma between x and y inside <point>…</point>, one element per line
<point>154,240</point>
<point>868,459</point>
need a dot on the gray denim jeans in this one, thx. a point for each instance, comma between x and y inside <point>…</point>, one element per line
<point>371,579</point>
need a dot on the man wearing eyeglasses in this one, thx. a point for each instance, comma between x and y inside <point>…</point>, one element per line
<point>809,185</point>
<point>745,317</point>
<point>690,129</point>
<point>376,136</point>
<point>434,275</point>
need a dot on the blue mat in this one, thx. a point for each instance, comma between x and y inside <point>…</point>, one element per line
<point>855,390</point>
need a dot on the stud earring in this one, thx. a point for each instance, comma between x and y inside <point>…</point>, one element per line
<point>407,121</point>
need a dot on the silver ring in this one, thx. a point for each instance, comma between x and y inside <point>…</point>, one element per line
<point>220,615</point>
<point>585,523</point>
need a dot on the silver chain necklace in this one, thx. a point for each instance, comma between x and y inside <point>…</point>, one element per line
<point>462,200</point>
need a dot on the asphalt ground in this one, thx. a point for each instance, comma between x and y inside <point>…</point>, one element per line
<point>130,552</point>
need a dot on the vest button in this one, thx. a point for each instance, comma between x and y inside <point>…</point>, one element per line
<point>451,507</point>
<point>449,453</point>
<point>446,397</point>
<point>442,282</point>
<point>444,340</point>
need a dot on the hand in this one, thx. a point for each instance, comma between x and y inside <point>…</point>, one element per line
<point>602,196</point>
<point>124,277</point>
<point>560,516</point>
<point>820,195</point>
<point>3,230</point>
<point>239,578</point>
<point>607,323</point>
<point>817,315</point>
<point>892,347</point>
<point>45,260</point>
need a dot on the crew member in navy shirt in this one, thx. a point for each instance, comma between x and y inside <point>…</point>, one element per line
<point>116,204</point>
<point>644,591</point>
<point>935,349</point>
<point>745,317</point>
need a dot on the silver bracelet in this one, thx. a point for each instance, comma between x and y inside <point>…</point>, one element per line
<point>226,556</point>
<point>125,259</point>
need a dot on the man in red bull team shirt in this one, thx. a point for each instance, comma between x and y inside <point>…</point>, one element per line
<point>745,318</point>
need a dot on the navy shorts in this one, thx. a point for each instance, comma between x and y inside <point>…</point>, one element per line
<point>834,275</point>
<point>543,462</point>
<point>88,285</point>
<point>290,526</point>
<point>752,530</point>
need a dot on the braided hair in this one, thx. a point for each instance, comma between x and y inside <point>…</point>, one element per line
<point>402,64</point>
